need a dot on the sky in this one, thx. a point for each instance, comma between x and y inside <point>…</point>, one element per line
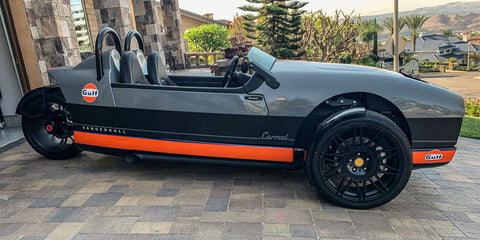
<point>226,9</point>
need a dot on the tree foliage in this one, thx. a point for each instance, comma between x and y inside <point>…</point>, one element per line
<point>452,60</point>
<point>327,37</point>
<point>369,33</point>
<point>207,38</point>
<point>475,58</point>
<point>237,32</point>
<point>447,33</point>
<point>414,23</point>
<point>276,26</point>
<point>388,24</point>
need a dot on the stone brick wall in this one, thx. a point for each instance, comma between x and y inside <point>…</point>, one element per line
<point>116,14</point>
<point>53,33</point>
<point>148,24</point>
<point>172,22</point>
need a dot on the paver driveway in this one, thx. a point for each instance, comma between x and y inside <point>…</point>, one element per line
<point>101,197</point>
<point>466,84</point>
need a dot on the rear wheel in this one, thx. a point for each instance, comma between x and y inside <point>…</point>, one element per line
<point>51,134</point>
<point>361,163</point>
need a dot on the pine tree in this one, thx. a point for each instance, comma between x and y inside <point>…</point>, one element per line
<point>276,26</point>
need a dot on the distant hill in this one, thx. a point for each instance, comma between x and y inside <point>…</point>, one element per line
<point>456,16</point>
<point>457,23</point>
<point>454,8</point>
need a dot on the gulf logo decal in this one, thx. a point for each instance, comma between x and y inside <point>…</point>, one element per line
<point>90,92</point>
<point>434,155</point>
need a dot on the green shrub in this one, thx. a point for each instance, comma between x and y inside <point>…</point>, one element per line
<point>472,107</point>
<point>207,38</point>
<point>427,70</point>
<point>452,60</point>
<point>370,60</point>
<point>345,58</point>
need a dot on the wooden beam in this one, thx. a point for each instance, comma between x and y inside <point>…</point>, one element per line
<point>26,59</point>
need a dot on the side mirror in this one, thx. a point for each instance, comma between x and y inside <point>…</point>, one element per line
<point>267,76</point>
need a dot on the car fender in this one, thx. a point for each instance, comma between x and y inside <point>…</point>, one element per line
<point>339,116</point>
<point>33,103</point>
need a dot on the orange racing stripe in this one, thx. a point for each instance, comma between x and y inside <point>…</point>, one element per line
<point>433,156</point>
<point>274,154</point>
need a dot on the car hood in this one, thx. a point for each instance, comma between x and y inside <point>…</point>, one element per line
<point>303,66</point>
<point>320,81</point>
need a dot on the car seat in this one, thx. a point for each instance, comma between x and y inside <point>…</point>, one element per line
<point>131,68</point>
<point>157,73</point>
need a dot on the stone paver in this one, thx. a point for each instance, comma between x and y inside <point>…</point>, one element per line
<point>102,197</point>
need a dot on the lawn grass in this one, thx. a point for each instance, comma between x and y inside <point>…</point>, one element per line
<point>470,127</point>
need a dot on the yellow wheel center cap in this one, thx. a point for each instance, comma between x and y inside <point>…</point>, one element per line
<point>359,162</point>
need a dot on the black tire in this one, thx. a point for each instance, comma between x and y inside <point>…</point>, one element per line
<point>58,144</point>
<point>360,163</point>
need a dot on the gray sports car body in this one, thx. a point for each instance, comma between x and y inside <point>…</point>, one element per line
<point>357,131</point>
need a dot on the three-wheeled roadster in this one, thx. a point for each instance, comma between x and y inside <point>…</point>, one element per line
<point>357,131</point>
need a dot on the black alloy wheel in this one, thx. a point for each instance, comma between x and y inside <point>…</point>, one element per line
<point>51,134</point>
<point>362,162</point>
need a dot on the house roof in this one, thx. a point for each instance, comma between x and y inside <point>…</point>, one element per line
<point>451,55</point>
<point>431,57</point>
<point>474,38</point>
<point>203,18</point>
<point>432,43</point>
<point>463,47</point>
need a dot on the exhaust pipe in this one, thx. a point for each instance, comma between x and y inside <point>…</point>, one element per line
<point>132,158</point>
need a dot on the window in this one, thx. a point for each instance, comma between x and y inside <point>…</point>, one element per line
<point>81,28</point>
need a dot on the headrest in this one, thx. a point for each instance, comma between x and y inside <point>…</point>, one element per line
<point>142,61</point>
<point>130,69</point>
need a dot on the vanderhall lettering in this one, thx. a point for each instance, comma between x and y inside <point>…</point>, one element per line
<point>357,131</point>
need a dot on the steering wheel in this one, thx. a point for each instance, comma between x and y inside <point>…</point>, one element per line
<point>230,73</point>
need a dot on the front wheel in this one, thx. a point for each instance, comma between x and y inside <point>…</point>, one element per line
<point>51,134</point>
<point>362,162</point>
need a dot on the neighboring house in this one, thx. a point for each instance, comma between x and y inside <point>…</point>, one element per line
<point>474,40</point>
<point>440,48</point>
<point>191,19</point>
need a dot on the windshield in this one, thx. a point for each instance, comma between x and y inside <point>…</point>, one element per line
<point>261,58</point>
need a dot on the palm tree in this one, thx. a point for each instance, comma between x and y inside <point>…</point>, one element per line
<point>414,23</point>
<point>369,32</point>
<point>388,24</point>
<point>475,58</point>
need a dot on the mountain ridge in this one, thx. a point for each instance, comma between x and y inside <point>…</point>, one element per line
<point>456,23</point>
<point>454,8</point>
<point>456,16</point>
